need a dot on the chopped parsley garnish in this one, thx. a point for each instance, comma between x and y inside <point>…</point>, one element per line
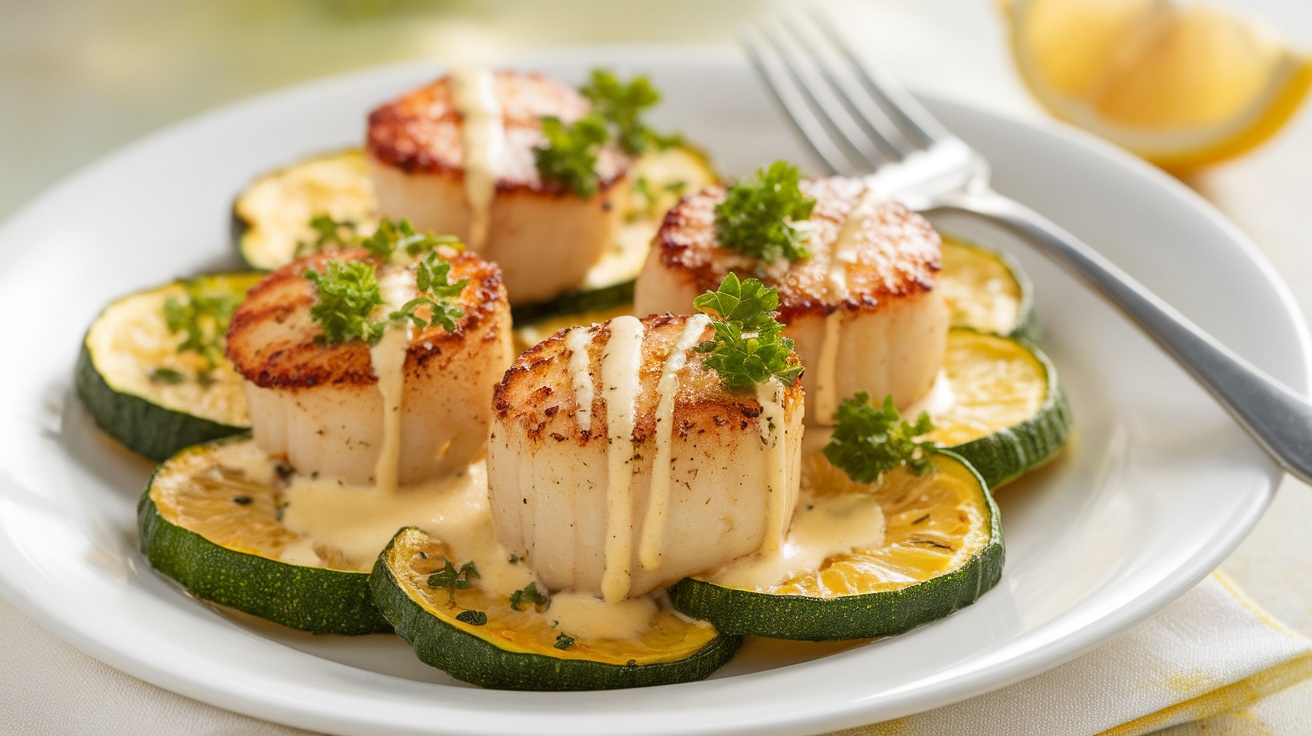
<point>347,292</point>
<point>436,291</point>
<point>760,216</point>
<point>749,346</point>
<point>622,105</point>
<point>453,578</point>
<point>869,440</point>
<point>203,318</point>
<point>564,641</point>
<point>399,238</point>
<point>528,595</point>
<point>329,233</point>
<point>569,157</point>
<point>167,375</point>
<point>472,617</point>
<point>642,188</point>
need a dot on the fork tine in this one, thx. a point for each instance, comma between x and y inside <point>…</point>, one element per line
<point>841,76</point>
<point>807,69</point>
<point>786,90</point>
<point>799,113</point>
<point>896,101</point>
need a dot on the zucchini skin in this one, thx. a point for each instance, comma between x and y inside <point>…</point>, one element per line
<point>806,618</point>
<point>238,226</point>
<point>574,302</point>
<point>317,600</point>
<point>1011,452</point>
<point>141,425</point>
<point>1028,325</point>
<point>860,616</point>
<point>470,659</point>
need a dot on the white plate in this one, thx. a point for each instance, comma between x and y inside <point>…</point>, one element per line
<point>1157,487</point>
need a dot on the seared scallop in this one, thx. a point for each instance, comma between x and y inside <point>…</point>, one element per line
<point>414,406</point>
<point>457,156</point>
<point>618,462</point>
<point>862,310</point>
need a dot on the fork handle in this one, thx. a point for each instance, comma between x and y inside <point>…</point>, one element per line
<point>1276,416</point>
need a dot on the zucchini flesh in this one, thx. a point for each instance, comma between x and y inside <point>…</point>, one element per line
<point>142,389</point>
<point>1009,413</point>
<point>478,637</point>
<point>942,549</point>
<point>271,217</point>
<point>210,519</point>
<point>986,290</point>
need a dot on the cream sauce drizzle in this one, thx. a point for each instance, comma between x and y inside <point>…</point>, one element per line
<point>819,531</point>
<point>577,341</point>
<point>388,358</point>
<point>770,396</point>
<point>842,253</point>
<point>826,370</point>
<point>620,365</point>
<point>359,521</point>
<point>658,498</point>
<point>474,94</point>
<point>587,616</point>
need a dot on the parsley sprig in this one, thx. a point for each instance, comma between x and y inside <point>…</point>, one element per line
<point>569,155</point>
<point>395,239</point>
<point>329,233</point>
<point>869,440</point>
<point>347,293</point>
<point>622,105</point>
<point>202,317</point>
<point>433,278</point>
<point>760,216</point>
<point>749,346</point>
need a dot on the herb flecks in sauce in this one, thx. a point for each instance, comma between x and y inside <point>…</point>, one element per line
<point>453,578</point>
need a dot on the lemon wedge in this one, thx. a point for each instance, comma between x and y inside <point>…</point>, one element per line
<point>1181,85</point>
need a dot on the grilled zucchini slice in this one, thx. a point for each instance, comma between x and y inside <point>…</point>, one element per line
<point>942,550</point>
<point>157,390</point>
<point>987,290</point>
<point>480,638</point>
<point>271,218</point>
<point>1008,412</point>
<point>210,519</point>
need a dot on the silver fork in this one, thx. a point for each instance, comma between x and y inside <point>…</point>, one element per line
<point>858,119</point>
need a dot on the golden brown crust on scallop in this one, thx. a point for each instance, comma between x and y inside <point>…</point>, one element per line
<point>899,251</point>
<point>420,132</point>
<point>274,343</point>
<point>537,391</point>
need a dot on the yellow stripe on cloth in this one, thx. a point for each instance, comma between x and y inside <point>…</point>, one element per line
<point>1232,697</point>
<point>1211,652</point>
